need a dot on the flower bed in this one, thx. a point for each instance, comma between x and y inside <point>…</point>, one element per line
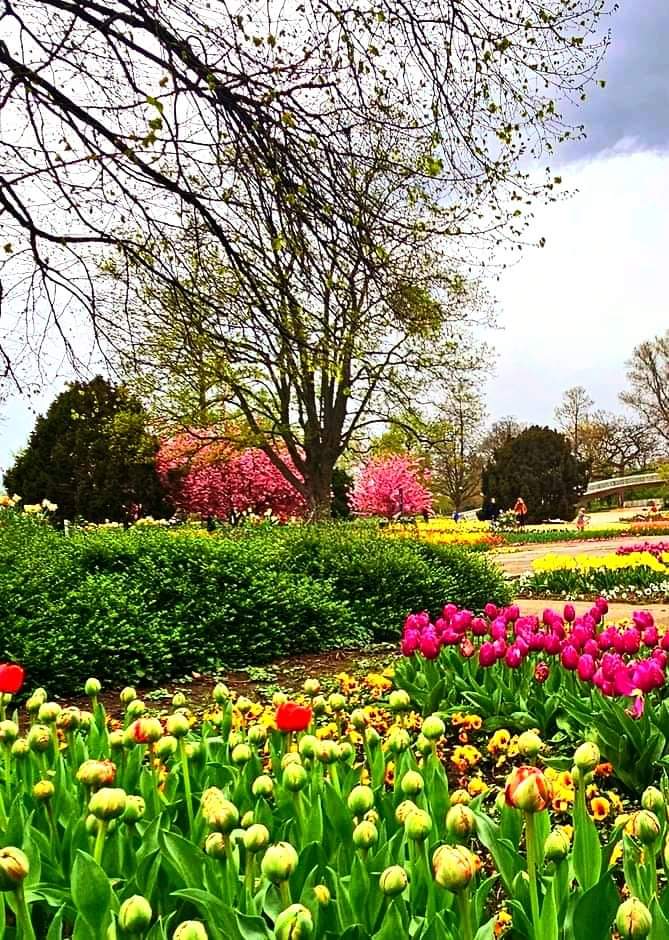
<point>622,575</point>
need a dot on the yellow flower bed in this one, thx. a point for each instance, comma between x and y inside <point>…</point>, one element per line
<point>589,562</point>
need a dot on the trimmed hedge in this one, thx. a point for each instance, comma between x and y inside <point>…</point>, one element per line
<point>144,605</point>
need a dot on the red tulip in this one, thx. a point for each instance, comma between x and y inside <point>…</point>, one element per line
<point>11,678</point>
<point>292,717</point>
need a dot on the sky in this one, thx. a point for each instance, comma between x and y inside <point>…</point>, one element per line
<point>571,313</point>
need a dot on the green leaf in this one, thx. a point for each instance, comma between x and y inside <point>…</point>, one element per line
<point>392,926</point>
<point>91,892</point>
<point>587,854</point>
<point>56,927</point>
<point>595,910</point>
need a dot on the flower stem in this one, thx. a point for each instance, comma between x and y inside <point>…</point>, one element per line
<point>465,912</point>
<point>530,845</point>
<point>187,790</point>
<point>284,890</point>
<point>23,920</point>
<point>100,840</point>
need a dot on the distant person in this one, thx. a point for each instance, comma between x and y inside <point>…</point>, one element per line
<point>520,510</point>
<point>456,516</point>
<point>653,508</point>
<point>494,509</point>
<point>581,520</point>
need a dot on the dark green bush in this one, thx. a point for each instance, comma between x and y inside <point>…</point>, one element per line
<point>148,604</point>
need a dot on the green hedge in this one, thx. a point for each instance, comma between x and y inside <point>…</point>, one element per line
<point>148,604</point>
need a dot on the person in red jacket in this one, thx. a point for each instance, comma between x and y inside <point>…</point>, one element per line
<point>520,510</point>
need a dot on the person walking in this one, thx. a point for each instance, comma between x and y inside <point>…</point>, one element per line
<point>520,510</point>
<point>581,519</point>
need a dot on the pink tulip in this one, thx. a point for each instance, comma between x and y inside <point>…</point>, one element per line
<point>490,610</point>
<point>637,707</point>
<point>429,643</point>
<point>569,613</point>
<point>570,657</point>
<point>552,644</point>
<point>647,675</point>
<point>449,611</point>
<point>537,642</point>
<point>500,648</point>
<point>467,648</point>
<point>498,630</point>
<point>650,636</point>
<point>631,641</point>
<point>487,655</point>
<point>512,613</point>
<point>586,667</point>
<point>450,636</point>
<point>602,604</point>
<point>513,657</point>
<point>591,647</point>
<point>664,642</point>
<point>479,626</point>
<point>410,642</point>
<point>642,618</point>
<point>541,672</point>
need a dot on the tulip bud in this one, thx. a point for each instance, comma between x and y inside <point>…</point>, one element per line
<point>147,730</point>
<point>247,819</point>
<point>454,867</point>
<point>412,783</point>
<point>218,813</point>
<point>460,797</point>
<point>220,693</point>
<point>372,737</point>
<point>20,748</point>
<point>399,741</point>
<point>280,698</point>
<point>256,838</point>
<point>108,803</point>
<point>423,745</point>
<point>127,695</point>
<point>92,825</point>
<point>346,752</point>
<point>69,719</point>
<point>179,700</point>
<point>190,930</point>
<point>279,862</point>
<point>48,712</point>
<point>166,747</point>
<point>9,732</point>
<point>365,835</point>
<point>257,735</point>
<point>262,786</point>
<point>93,687</point>
<point>418,825</point>
<point>295,923</point>
<point>645,827</point>
<point>241,754</point>
<point>403,810</point>
<point>116,739</point>
<point>327,752</point>
<point>653,800</point>
<point>358,719</point>
<point>135,913</point>
<point>399,701</point>
<point>135,709</point>
<point>97,773</point>
<point>177,725</point>
<point>307,746</point>
<point>337,702</point>
<point>39,739</point>
<point>460,821</point>
<point>294,777</point>
<point>529,744</point>
<point>393,881</point>
<point>360,800</point>
<point>318,705</point>
<point>243,705</point>
<point>43,791</point>
<point>633,920</point>
<point>586,757</point>
<point>134,809</point>
<point>38,698</point>
<point>215,845</point>
<point>433,728</point>
<point>373,817</point>
<point>311,687</point>
<point>322,895</point>
<point>14,868</point>
<point>527,789</point>
<point>556,846</point>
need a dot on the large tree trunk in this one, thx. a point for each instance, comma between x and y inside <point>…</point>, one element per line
<point>318,480</point>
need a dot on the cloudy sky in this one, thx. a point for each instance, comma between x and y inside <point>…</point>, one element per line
<point>572,312</point>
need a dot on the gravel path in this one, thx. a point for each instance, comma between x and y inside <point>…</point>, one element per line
<point>517,562</point>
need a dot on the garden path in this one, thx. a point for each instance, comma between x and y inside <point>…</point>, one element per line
<point>516,561</point>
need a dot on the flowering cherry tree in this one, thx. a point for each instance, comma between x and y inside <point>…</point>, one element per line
<point>388,486</point>
<point>208,476</point>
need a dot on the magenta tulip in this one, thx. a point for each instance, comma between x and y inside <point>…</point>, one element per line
<point>490,610</point>
<point>487,655</point>
<point>570,657</point>
<point>479,626</point>
<point>586,667</point>
<point>569,613</point>
<point>513,657</point>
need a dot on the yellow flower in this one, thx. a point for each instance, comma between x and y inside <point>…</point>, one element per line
<point>473,722</point>
<point>499,741</point>
<point>477,785</point>
<point>502,922</point>
<point>599,808</point>
<point>616,855</point>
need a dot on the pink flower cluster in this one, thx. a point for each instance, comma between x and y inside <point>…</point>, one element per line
<point>653,548</point>
<point>609,657</point>
<point>388,486</point>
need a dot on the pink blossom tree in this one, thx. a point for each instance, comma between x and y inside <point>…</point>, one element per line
<point>208,476</point>
<point>388,486</point>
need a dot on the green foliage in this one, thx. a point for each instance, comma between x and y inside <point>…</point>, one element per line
<point>539,466</point>
<point>146,604</point>
<point>91,454</point>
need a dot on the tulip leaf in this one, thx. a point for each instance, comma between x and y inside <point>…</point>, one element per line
<point>392,925</point>
<point>660,928</point>
<point>595,910</point>
<point>587,854</point>
<point>220,917</point>
<point>91,893</point>
<point>486,931</point>
<point>188,860</point>
<point>507,859</point>
<point>56,927</point>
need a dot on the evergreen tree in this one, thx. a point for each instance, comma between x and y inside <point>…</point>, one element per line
<point>538,465</point>
<point>92,454</point>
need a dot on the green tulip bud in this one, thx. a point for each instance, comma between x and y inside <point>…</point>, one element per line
<point>262,786</point>
<point>290,758</point>
<point>135,914</point>
<point>14,868</point>
<point>586,757</point>
<point>295,923</point>
<point>358,719</point>
<point>215,845</point>
<point>85,720</point>
<point>218,812</point>
<point>135,709</point>
<point>412,783</point>
<point>39,739</point>
<point>43,791</point>
<point>403,810</point>
<point>134,809</point>
<point>393,881</point>
<point>177,725</point>
<point>241,754</point>
<point>48,712</point>
<point>460,821</point>
<point>372,737</point>
<point>166,747</point>
<point>423,746</point>
<point>294,777</point>
<point>454,866</point>
<point>257,735</point>
<point>653,800</point>
<point>418,825</point>
<point>327,752</point>
<point>556,846</point>
<point>179,700</point>
<point>247,819</point>
<point>337,702</point>
<point>20,748</point>
<point>38,698</point>
<point>116,740</point>
<point>127,695</point>
<point>360,800</point>
<point>196,752</point>
<point>92,825</point>
<point>311,687</point>
<point>220,693</point>
<point>69,719</point>
<point>529,744</point>
<point>462,797</point>
<point>279,862</point>
<point>399,741</point>
<point>256,838</point>
<point>346,752</point>
<point>646,827</point>
<point>108,803</point>
<point>190,930</point>
<point>633,920</point>
<point>307,746</point>
<point>243,705</point>
<point>399,701</point>
<point>365,835</point>
<point>93,687</point>
<point>318,705</point>
<point>433,728</point>
<point>9,732</point>
<point>279,698</point>
<point>97,773</point>
<point>322,895</point>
